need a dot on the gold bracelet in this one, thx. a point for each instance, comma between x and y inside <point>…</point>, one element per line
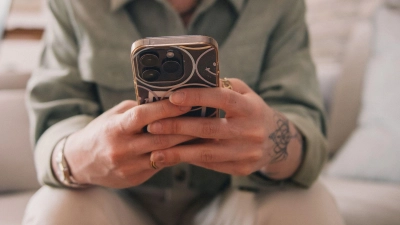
<point>64,172</point>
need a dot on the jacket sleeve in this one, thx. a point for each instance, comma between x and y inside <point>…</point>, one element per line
<point>288,84</point>
<point>59,102</point>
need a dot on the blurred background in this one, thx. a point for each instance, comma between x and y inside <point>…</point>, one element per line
<point>24,25</point>
<point>330,24</point>
<point>355,45</point>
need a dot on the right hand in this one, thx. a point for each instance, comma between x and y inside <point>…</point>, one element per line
<point>113,151</point>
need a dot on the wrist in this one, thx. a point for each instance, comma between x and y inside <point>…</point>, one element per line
<point>61,168</point>
<point>288,165</point>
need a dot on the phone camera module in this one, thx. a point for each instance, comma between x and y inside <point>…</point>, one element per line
<point>150,75</point>
<point>170,54</point>
<point>171,66</point>
<point>149,60</point>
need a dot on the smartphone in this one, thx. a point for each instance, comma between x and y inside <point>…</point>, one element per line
<point>162,65</point>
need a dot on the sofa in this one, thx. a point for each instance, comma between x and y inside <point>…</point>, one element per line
<point>361,200</point>
<point>17,172</point>
<point>363,172</point>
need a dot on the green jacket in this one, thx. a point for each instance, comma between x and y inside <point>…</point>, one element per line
<point>85,70</point>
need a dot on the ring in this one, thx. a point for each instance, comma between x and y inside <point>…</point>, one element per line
<point>153,165</point>
<point>225,83</point>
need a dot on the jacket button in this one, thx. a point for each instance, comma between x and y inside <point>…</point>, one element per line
<point>180,175</point>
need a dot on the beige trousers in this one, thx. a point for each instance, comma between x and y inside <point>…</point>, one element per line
<point>284,205</point>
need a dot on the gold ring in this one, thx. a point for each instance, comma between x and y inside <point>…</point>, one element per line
<point>153,165</point>
<point>225,83</point>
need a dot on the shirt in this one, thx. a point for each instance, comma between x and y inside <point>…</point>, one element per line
<point>85,70</point>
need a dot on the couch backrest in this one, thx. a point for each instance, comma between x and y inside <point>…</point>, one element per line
<point>346,101</point>
<point>393,3</point>
<point>4,8</point>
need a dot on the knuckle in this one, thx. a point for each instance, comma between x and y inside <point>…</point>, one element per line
<point>134,115</point>
<point>163,108</point>
<point>113,159</point>
<point>175,127</point>
<point>121,174</point>
<point>234,131</point>
<point>229,98</point>
<point>160,141</point>
<point>258,134</point>
<point>134,148</point>
<point>109,128</point>
<point>126,104</point>
<point>206,156</point>
<point>209,128</point>
<point>243,170</point>
<point>255,156</point>
<point>197,98</point>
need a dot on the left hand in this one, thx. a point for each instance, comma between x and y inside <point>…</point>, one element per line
<point>239,144</point>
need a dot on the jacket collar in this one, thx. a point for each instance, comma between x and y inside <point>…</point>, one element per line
<point>117,4</point>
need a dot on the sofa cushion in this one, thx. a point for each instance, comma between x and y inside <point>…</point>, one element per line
<point>17,171</point>
<point>373,150</point>
<point>12,207</point>
<point>366,202</point>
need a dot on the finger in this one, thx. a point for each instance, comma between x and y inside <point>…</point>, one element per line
<point>232,102</point>
<point>239,86</point>
<point>123,106</point>
<point>133,165</point>
<point>146,142</point>
<point>141,165</point>
<point>215,128</point>
<point>134,168</point>
<point>232,168</point>
<point>134,119</point>
<point>210,152</point>
<point>133,172</point>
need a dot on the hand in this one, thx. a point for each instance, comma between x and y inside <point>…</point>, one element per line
<point>113,151</point>
<point>250,138</point>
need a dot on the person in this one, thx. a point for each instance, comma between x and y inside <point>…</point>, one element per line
<point>252,166</point>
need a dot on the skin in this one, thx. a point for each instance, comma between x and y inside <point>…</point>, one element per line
<point>113,151</point>
<point>185,8</point>
<point>238,144</point>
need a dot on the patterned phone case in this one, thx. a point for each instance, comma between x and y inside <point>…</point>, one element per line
<point>163,65</point>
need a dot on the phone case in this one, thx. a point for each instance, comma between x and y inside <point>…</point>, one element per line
<point>163,65</point>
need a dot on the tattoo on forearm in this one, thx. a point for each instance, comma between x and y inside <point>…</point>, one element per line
<point>281,138</point>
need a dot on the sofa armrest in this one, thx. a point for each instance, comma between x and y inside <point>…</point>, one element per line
<point>346,100</point>
<point>17,171</point>
<point>14,80</point>
<point>365,202</point>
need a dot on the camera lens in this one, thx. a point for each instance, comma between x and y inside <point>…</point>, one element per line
<point>171,66</point>
<point>150,75</point>
<point>149,60</point>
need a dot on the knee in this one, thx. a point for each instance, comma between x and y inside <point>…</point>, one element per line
<point>52,205</point>
<point>292,205</point>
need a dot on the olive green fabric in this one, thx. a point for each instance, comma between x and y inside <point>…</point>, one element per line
<point>85,70</point>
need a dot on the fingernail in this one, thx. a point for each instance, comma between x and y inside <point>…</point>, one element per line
<point>157,157</point>
<point>154,127</point>
<point>177,97</point>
